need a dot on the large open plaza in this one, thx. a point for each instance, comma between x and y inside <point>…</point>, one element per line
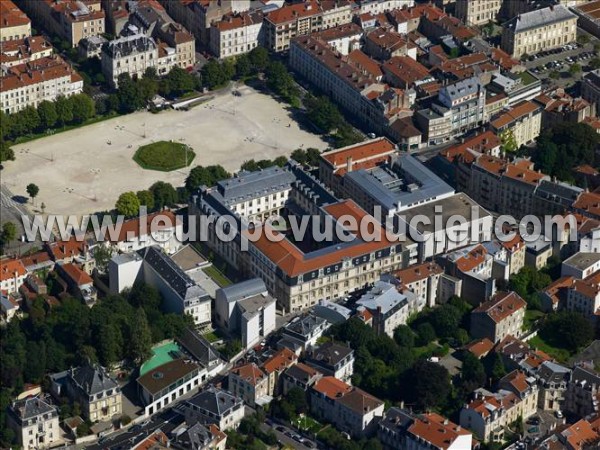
<point>84,170</point>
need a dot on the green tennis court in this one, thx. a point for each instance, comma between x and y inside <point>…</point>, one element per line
<point>160,355</point>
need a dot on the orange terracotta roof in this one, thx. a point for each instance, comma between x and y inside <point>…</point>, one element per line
<point>518,380</point>
<point>234,21</point>
<point>472,259</point>
<point>386,40</point>
<point>76,274</point>
<point>250,373</point>
<point>588,202</point>
<point>586,169</point>
<point>8,268</point>
<point>362,61</point>
<point>518,111</point>
<point>501,306</point>
<point>436,430</point>
<point>37,71</point>
<point>515,244</point>
<point>520,173</point>
<point>293,12</point>
<point>406,69</point>
<point>553,290</point>
<point>11,16</point>
<point>418,272</point>
<point>36,258</point>
<point>67,249</point>
<point>580,434</point>
<point>480,348</point>
<point>482,143</point>
<point>131,228</point>
<point>332,387</point>
<point>281,360</point>
<point>156,438</point>
<point>358,152</point>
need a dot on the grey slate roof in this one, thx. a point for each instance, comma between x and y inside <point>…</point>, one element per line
<point>31,407</point>
<point>92,379</point>
<point>462,88</point>
<point>551,372</point>
<point>383,295</point>
<point>406,182</point>
<point>199,347</point>
<point>128,45</point>
<point>329,354</point>
<point>214,400</point>
<point>249,185</point>
<point>179,281</point>
<point>244,289</point>
<point>538,18</point>
<point>558,192</point>
<point>196,437</point>
<point>304,326</point>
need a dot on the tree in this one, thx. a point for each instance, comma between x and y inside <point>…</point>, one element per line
<point>323,113</point>
<point>214,74</point>
<point>299,155</point>
<point>583,39</point>
<point>140,338</point>
<point>574,69</point>
<point>404,336</point>
<point>243,66</point>
<point>64,110</point>
<point>427,385</point>
<point>426,333</point>
<point>568,330</point>
<point>83,107</point>
<point>259,58</point>
<point>164,194</point>
<point>6,153</point>
<point>47,113</point>
<point>102,255</point>
<point>205,176</point>
<point>146,199</point>
<point>472,372</point>
<point>128,204</point>
<point>180,81</point>
<point>445,319</point>
<point>129,94</point>
<point>9,233</point>
<point>508,140</point>
<point>27,120</point>
<point>32,190</point>
<point>555,74</point>
<point>595,63</point>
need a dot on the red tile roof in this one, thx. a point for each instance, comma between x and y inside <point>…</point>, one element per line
<point>480,348</point>
<point>332,387</point>
<point>37,71</point>
<point>437,430</point>
<point>281,360</point>
<point>501,306</point>
<point>517,112</point>
<point>290,13</point>
<point>376,148</point>
<point>11,16</point>
<point>8,268</point>
<point>250,373</point>
<point>78,276</point>
<point>406,69</point>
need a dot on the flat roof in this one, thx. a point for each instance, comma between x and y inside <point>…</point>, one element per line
<point>161,355</point>
<point>582,260</point>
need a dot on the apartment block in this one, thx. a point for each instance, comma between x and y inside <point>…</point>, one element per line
<point>349,409</point>
<point>422,280</point>
<point>215,406</point>
<point>536,31</point>
<point>332,359</point>
<point>583,389</point>
<point>289,21</point>
<point>236,34</point>
<point>14,23</point>
<point>30,83</point>
<point>250,383</point>
<point>478,12</point>
<point>389,307</point>
<point>298,277</point>
<point>523,122</point>
<point>72,20</point>
<point>12,275</point>
<point>499,317</point>
<point>246,309</point>
<point>35,423</point>
<point>275,367</point>
<point>21,51</point>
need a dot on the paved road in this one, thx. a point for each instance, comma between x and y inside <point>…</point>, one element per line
<point>12,209</point>
<point>281,437</point>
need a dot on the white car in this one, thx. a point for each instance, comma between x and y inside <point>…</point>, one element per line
<point>559,414</point>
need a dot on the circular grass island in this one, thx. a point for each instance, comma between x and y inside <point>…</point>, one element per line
<point>164,156</point>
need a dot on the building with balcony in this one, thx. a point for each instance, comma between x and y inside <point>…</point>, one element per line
<point>35,423</point>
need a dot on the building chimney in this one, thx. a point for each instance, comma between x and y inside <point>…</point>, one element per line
<point>349,164</point>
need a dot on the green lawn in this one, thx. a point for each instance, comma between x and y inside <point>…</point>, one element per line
<point>531,315</point>
<point>309,424</point>
<point>560,354</point>
<point>526,77</point>
<point>212,336</point>
<point>217,276</point>
<point>164,156</point>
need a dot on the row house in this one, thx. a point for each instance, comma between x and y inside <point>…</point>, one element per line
<point>214,406</point>
<point>333,360</point>
<point>389,307</point>
<point>31,83</point>
<point>583,392</point>
<point>478,12</point>
<point>488,414</point>
<point>349,409</point>
<point>423,281</point>
<point>523,123</point>
<point>12,275</point>
<point>289,21</point>
<point>343,38</point>
<point>552,379</point>
<point>403,430</point>
<point>499,317</point>
<point>536,31</point>
<point>79,282</point>
<point>15,24</point>
<point>72,20</point>
<point>249,383</point>
<point>383,45</point>
<point>558,107</point>
<point>236,34</point>
<point>22,51</point>
<point>582,435</point>
<point>299,376</point>
<point>275,367</point>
